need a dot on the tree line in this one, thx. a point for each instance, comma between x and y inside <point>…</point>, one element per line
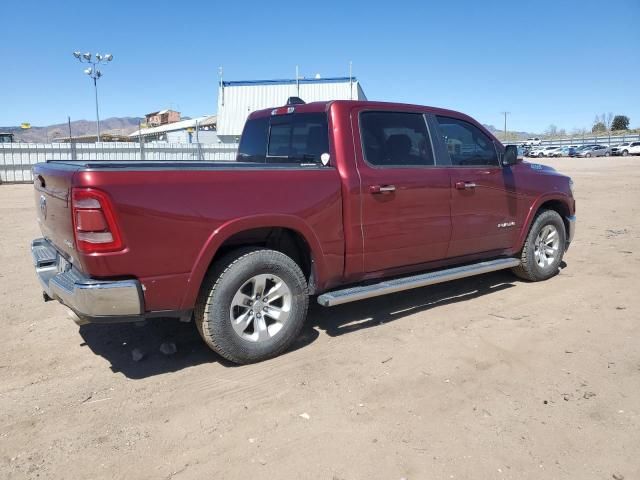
<point>606,123</point>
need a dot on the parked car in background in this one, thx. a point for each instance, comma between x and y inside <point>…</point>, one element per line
<point>626,148</point>
<point>564,152</point>
<point>533,141</point>
<point>594,151</point>
<point>542,152</point>
<point>613,149</point>
<point>334,201</point>
<point>536,152</point>
<point>549,152</point>
<point>634,148</point>
<point>579,149</point>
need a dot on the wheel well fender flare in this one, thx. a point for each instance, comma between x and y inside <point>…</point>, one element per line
<point>220,235</point>
<point>555,201</point>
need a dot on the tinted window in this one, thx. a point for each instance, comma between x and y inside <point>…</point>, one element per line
<point>395,139</point>
<point>293,138</point>
<point>253,143</point>
<point>466,143</point>
<point>298,138</point>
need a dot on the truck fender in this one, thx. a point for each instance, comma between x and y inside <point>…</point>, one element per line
<point>225,231</point>
<point>524,231</point>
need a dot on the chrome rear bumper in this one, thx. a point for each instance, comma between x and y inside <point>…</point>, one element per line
<point>92,300</point>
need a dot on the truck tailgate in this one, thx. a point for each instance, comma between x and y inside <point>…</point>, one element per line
<point>52,191</point>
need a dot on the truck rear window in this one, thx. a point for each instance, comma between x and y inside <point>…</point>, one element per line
<point>293,138</point>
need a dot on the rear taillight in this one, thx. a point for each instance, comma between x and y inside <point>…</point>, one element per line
<point>94,222</point>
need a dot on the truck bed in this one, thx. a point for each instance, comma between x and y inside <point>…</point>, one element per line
<point>171,213</point>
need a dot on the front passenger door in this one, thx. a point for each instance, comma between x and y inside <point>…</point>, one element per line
<point>484,205</point>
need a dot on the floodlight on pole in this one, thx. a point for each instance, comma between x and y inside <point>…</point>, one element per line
<point>95,74</point>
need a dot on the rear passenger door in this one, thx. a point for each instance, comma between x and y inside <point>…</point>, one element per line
<point>484,205</point>
<point>404,194</point>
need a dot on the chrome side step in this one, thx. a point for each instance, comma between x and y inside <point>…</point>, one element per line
<point>338,297</point>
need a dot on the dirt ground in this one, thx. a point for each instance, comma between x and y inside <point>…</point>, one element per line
<point>483,378</point>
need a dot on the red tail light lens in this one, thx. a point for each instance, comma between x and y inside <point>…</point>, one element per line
<point>94,222</point>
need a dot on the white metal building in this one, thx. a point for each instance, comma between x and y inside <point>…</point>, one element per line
<point>183,131</point>
<point>236,100</point>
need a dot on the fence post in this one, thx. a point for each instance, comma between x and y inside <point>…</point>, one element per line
<point>140,141</point>
<point>200,157</point>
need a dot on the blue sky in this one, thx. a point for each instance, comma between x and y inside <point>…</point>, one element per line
<point>545,62</point>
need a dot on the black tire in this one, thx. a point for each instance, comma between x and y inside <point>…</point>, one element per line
<point>224,280</point>
<point>529,269</point>
<point>588,155</point>
<point>625,153</point>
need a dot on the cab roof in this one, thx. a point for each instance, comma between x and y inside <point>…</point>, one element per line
<point>324,106</point>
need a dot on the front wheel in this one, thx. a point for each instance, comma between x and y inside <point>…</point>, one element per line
<point>588,155</point>
<point>543,249</point>
<point>625,153</point>
<point>252,305</point>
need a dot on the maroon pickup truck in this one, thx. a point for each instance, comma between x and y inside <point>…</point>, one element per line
<point>338,201</point>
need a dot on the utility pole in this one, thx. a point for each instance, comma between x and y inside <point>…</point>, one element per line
<point>505,124</point>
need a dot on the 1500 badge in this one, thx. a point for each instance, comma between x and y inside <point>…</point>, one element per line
<point>506,224</point>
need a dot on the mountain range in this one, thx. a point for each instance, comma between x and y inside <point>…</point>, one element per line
<point>116,125</point>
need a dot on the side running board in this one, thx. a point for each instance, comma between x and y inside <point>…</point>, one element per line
<point>338,297</point>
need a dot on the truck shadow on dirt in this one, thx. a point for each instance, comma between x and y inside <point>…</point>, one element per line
<point>116,343</point>
<point>355,316</point>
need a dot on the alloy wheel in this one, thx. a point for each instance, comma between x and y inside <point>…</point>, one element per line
<point>547,246</point>
<point>260,307</point>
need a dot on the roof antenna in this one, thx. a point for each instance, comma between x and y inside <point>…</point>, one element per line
<point>297,82</point>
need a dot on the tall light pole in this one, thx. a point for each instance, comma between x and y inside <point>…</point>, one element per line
<point>505,124</point>
<point>95,74</point>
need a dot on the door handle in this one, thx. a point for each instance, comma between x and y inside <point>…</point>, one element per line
<point>382,188</point>
<point>465,185</point>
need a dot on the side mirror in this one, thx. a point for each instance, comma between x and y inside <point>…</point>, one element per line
<point>510,155</point>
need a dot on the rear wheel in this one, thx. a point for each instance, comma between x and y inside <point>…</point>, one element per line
<point>252,305</point>
<point>543,249</point>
